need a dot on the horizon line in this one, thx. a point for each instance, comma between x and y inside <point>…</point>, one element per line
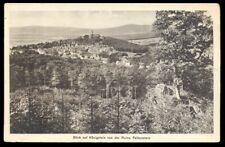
<point>77,27</point>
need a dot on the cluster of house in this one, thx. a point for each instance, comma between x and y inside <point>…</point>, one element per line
<point>81,51</point>
<point>86,52</point>
<point>124,62</point>
<point>15,51</point>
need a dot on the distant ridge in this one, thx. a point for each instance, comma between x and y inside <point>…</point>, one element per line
<point>36,34</point>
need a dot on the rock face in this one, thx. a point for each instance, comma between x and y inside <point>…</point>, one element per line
<point>162,90</point>
<point>161,95</point>
<point>159,88</point>
<point>166,95</point>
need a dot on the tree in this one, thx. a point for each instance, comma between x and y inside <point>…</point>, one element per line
<point>17,77</point>
<point>55,78</point>
<point>137,82</point>
<point>186,37</point>
<point>118,84</point>
<point>72,74</point>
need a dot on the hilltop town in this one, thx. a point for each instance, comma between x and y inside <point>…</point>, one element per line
<point>88,47</point>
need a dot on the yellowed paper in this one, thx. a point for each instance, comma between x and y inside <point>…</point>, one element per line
<point>50,15</point>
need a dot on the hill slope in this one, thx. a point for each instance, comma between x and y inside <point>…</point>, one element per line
<point>117,44</point>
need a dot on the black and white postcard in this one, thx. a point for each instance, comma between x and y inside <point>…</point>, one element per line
<point>112,72</point>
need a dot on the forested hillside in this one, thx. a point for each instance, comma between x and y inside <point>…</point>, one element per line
<point>98,84</point>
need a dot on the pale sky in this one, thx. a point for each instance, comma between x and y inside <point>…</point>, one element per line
<point>80,19</point>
